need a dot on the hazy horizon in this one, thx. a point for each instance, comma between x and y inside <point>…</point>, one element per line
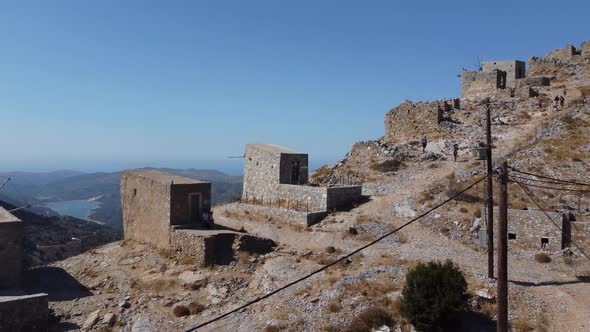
<point>230,166</point>
<point>112,85</point>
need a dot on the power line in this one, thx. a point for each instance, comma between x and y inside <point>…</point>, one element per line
<point>550,178</point>
<point>553,188</point>
<point>336,261</point>
<point>542,181</point>
<point>549,217</point>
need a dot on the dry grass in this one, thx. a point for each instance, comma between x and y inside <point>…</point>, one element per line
<point>542,258</point>
<point>424,197</point>
<point>520,325</point>
<point>370,319</point>
<point>181,311</point>
<point>334,306</point>
<point>195,308</point>
<point>401,238</point>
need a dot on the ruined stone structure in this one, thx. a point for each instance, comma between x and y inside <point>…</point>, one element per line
<point>276,173</point>
<point>11,249</point>
<point>514,70</point>
<point>18,311</point>
<point>169,212</point>
<point>532,229</point>
<point>217,247</point>
<point>154,201</point>
<point>564,54</point>
<point>410,120</point>
<point>476,85</point>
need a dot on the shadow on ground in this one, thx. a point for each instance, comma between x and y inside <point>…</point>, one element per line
<point>581,280</point>
<point>56,282</point>
<point>475,322</point>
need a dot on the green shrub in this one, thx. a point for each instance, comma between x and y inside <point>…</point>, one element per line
<point>433,295</point>
<point>390,165</point>
<point>372,318</point>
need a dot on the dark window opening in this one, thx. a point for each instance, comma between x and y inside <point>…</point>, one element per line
<point>511,236</point>
<point>295,172</point>
<point>544,242</point>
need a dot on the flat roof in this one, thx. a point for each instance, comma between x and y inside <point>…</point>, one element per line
<point>162,177</point>
<point>6,216</point>
<point>275,148</point>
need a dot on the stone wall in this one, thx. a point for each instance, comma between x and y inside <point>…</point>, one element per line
<point>261,172</point>
<point>24,313</point>
<point>288,216</point>
<point>146,210</point>
<point>216,247</point>
<point>529,227</point>
<point>410,121</point>
<point>514,70</point>
<point>477,85</point>
<point>342,197</point>
<point>563,54</point>
<point>581,234</point>
<point>11,249</point>
<point>585,49</point>
<point>316,198</point>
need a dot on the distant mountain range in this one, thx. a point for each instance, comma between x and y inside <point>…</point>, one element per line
<point>27,188</point>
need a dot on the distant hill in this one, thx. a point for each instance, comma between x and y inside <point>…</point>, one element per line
<point>53,238</point>
<point>38,188</point>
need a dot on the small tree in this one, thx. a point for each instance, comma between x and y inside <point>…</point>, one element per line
<point>434,293</point>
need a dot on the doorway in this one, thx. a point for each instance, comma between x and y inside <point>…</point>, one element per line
<point>195,206</point>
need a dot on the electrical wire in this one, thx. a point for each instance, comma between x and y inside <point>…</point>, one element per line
<point>547,215</point>
<point>551,188</point>
<point>550,178</point>
<point>336,261</point>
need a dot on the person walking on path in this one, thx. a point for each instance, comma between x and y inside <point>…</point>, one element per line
<point>561,100</point>
<point>555,101</point>
<point>455,151</point>
<point>424,142</point>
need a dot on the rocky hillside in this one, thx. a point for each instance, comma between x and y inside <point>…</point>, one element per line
<point>136,288</point>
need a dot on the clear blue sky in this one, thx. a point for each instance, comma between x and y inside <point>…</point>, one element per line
<point>100,85</point>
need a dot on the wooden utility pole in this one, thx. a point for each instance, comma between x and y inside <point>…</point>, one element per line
<point>489,194</point>
<point>502,282</point>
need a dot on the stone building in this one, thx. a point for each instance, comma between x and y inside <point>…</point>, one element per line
<point>532,229</point>
<point>173,213</point>
<point>18,311</point>
<point>477,85</point>
<point>276,174</point>
<point>410,120</point>
<point>514,70</point>
<point>11,249</point>
<point>153,202</point>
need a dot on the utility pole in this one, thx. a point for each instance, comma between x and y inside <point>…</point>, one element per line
<point>502,281</point>
<point>489,194</point>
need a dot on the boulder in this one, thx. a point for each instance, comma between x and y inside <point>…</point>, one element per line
<point>91,320</point>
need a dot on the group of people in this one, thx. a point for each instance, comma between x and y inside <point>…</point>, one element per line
<point>558,101</point>
<point>424,142</point>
